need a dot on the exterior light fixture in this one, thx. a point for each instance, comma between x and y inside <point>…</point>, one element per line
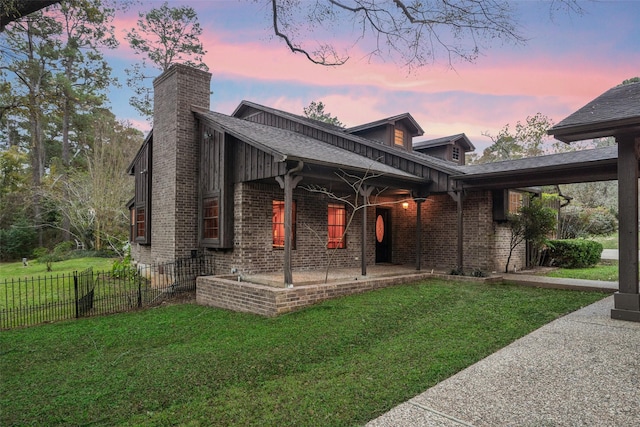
<point>405,205</point>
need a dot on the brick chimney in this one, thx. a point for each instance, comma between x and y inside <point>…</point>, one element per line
<point>174,202</point>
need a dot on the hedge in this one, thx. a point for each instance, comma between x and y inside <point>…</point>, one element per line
<point>574,253</point>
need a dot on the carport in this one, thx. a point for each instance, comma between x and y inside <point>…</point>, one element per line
<point>616,113</point>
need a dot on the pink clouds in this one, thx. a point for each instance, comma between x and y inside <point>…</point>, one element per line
<point>555,74</point>
<point>535,77</point>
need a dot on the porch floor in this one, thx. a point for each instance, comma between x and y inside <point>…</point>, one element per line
<point>314,277</point>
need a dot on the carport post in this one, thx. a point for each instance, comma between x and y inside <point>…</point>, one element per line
<point>627,299</point>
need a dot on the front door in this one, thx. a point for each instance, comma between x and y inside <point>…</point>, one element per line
<point>383,235</point>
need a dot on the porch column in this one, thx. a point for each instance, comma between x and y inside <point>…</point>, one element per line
<point>458,197</point>
<point>288,182</point>
<point>365,192</point>
<point>418,233</point>
<point>627,299</point>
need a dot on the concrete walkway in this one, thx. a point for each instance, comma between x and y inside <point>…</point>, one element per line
<point>580,370</point>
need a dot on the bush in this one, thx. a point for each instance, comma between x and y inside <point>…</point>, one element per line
<point>17,241</point>
<point>574,253</point>
<point>577,222</point>
<point>601,222</point>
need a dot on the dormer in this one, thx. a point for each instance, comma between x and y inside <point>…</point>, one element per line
<point>450,148</point>
<point>397,131</point>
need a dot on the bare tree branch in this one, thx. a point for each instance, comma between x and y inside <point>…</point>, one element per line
<point>414,33</point>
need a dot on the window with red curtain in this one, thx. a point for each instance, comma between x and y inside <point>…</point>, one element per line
<point>278,224</point>
<point>337,224</point>
<point>210,216</point>
<point>140,222</point>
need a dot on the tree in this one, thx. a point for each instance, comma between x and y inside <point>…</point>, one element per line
<point>533,222</point>
<point>31,52</point>
<point>411,33</point>
<point>165,36</point>
<point>315,111</point>
<point>84,74</point>
<point>93,199</point>
<point>527,139</point>
<point>357,197</point>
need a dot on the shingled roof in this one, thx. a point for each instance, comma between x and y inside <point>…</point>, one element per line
<point>426,160</point>
<point>597,164</point>
<point>615,112</point>
<point>445,140</point>
<point>404,117</point>
<point>288,145</point>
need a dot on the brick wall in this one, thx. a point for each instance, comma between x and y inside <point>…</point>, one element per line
<point>174,200</point>
<point>269,301</point>
<point>484,240</point>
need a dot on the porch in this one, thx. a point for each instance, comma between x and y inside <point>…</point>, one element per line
<point>265,294</point>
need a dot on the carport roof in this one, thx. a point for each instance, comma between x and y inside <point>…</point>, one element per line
<point>616,112</point>
<point>598,164</point>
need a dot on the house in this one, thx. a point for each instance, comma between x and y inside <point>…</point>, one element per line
<point>264,190</point>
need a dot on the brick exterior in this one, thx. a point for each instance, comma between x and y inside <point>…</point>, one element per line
<point>174,202</point>
<point>174,214</point>
<point>270,301</point>
<point>485,241</point>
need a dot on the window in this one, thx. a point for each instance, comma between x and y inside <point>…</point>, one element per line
<point>210,217</point>
<point>398,137</point>
<point>132,224</point>
<point>278,224</point>
<point>140,205</point>
<point>515,201</point>
<point>455,153</point>
<point>140,222</point>
<point>337,223</point>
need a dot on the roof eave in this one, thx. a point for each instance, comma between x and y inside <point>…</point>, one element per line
<point>581,132</point>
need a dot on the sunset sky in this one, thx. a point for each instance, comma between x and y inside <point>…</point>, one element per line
<point>568,60</point>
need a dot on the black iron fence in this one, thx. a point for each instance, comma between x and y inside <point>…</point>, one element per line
<point>34,300</point>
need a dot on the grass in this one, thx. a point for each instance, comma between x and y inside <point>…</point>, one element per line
<point>342,362</point>
<point>604,271</point>
<point>15,270</point>
<point>608,242</point>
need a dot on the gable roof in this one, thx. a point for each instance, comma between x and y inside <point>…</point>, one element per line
<point>405,117</point>
<point>288,145</point>
<point>423,159</point>
<point>246,105</point>
<point>615,112</point>
<point>446,140</point>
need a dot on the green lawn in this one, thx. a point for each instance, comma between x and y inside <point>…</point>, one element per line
<point>608,242</point>
<point>607,272</point>
<point>342,362</point>
<point>15,270</point>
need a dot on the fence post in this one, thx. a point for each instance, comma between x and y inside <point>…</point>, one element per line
<point>75,287</point>
<point>139,280</point>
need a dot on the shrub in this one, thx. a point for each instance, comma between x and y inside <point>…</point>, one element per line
<point>17,241</point>
<point>478,273</point>
<point>575,253</point>
<point>576,222</point>
<point>601,222</point>
<point>456,271</point>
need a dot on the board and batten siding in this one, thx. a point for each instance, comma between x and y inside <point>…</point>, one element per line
<point>216,165</point>
<point>440,180</point>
